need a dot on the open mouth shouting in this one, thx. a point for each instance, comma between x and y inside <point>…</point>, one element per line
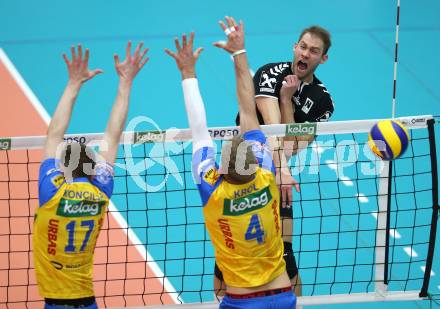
<point>301,67</point>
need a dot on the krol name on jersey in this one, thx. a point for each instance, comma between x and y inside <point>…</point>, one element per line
<point>290,92</point>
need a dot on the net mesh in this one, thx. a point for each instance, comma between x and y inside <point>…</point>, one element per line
<point>154,249</point>
<point>336,222</point>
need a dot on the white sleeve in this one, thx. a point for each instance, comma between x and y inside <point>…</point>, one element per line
<point>195,111</point>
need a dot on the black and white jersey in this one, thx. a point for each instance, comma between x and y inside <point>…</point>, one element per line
<point>312,101</point>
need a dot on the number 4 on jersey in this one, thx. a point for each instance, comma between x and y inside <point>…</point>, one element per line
<point>254,230</point>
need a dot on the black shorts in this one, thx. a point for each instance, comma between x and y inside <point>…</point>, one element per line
<point>289,257</point>
<point>71,303</point>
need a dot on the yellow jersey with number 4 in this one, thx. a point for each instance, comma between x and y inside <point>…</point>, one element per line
<point>243,220</point>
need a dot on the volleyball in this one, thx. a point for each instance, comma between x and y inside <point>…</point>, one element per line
<point>388,139</point>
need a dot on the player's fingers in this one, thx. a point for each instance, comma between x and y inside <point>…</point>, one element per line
<point>128,50</point>
<point>241,26</point>
<point>72,50</point>
<point>229,21</point>
<point>138,49</point>
<point>143,62</point>
<point>191,39</point>
<point>144,52</point>
<point>86,57</point>
<point>220,44</point>
<point>283,196</point>
<point>294,78</point>
<point>170,53</point>
<point>116,57</point>
<point>297,187</point>
<point>80,52</point>
<point>289,196</point>
<point>222,24</point>
<point>66,59</point>
<point>198,52</point>
<point>177,43</point>
<point>96,72</point>
<point>184,40</point>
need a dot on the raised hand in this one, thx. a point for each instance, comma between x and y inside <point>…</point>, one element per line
<point>235,35</point>
<point>78,66</point>
<point>132,64</point>
<point>286,182</point>
<point>185,57</point>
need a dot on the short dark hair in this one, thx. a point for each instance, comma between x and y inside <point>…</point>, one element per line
<point>84,155</point>
<point>238,149</point>
<point>321,33</point>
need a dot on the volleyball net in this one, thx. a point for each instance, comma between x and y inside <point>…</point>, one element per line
<point>364,229</point>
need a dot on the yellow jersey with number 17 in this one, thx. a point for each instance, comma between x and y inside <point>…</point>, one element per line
<point>243,220</point>
<point>66,227</point>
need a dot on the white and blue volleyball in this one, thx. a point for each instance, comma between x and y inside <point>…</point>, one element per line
<point>388,139</point>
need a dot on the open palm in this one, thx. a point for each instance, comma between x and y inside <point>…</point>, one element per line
<point>78,66</point>
<point>132,64</point>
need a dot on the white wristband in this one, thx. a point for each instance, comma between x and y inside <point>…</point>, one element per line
<point>238,52</point>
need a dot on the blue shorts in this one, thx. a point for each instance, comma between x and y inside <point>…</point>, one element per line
<point>92,306</point>
<point>286,300</point>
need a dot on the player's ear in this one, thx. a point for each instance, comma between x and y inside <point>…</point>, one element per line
<point>324,58</point>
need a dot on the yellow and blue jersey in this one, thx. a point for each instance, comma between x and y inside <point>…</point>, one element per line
<point>242,220</point>
<point>66,227</point>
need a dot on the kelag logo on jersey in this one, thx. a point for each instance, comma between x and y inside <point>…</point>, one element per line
<point>298,129</point>
<point>248,203</point>
<point>75,208</point>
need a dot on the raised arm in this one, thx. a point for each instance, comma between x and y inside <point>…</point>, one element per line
<point>186,60</point>
<point>127,71</point>
<point>245,86</point>
<point>79,73</point>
